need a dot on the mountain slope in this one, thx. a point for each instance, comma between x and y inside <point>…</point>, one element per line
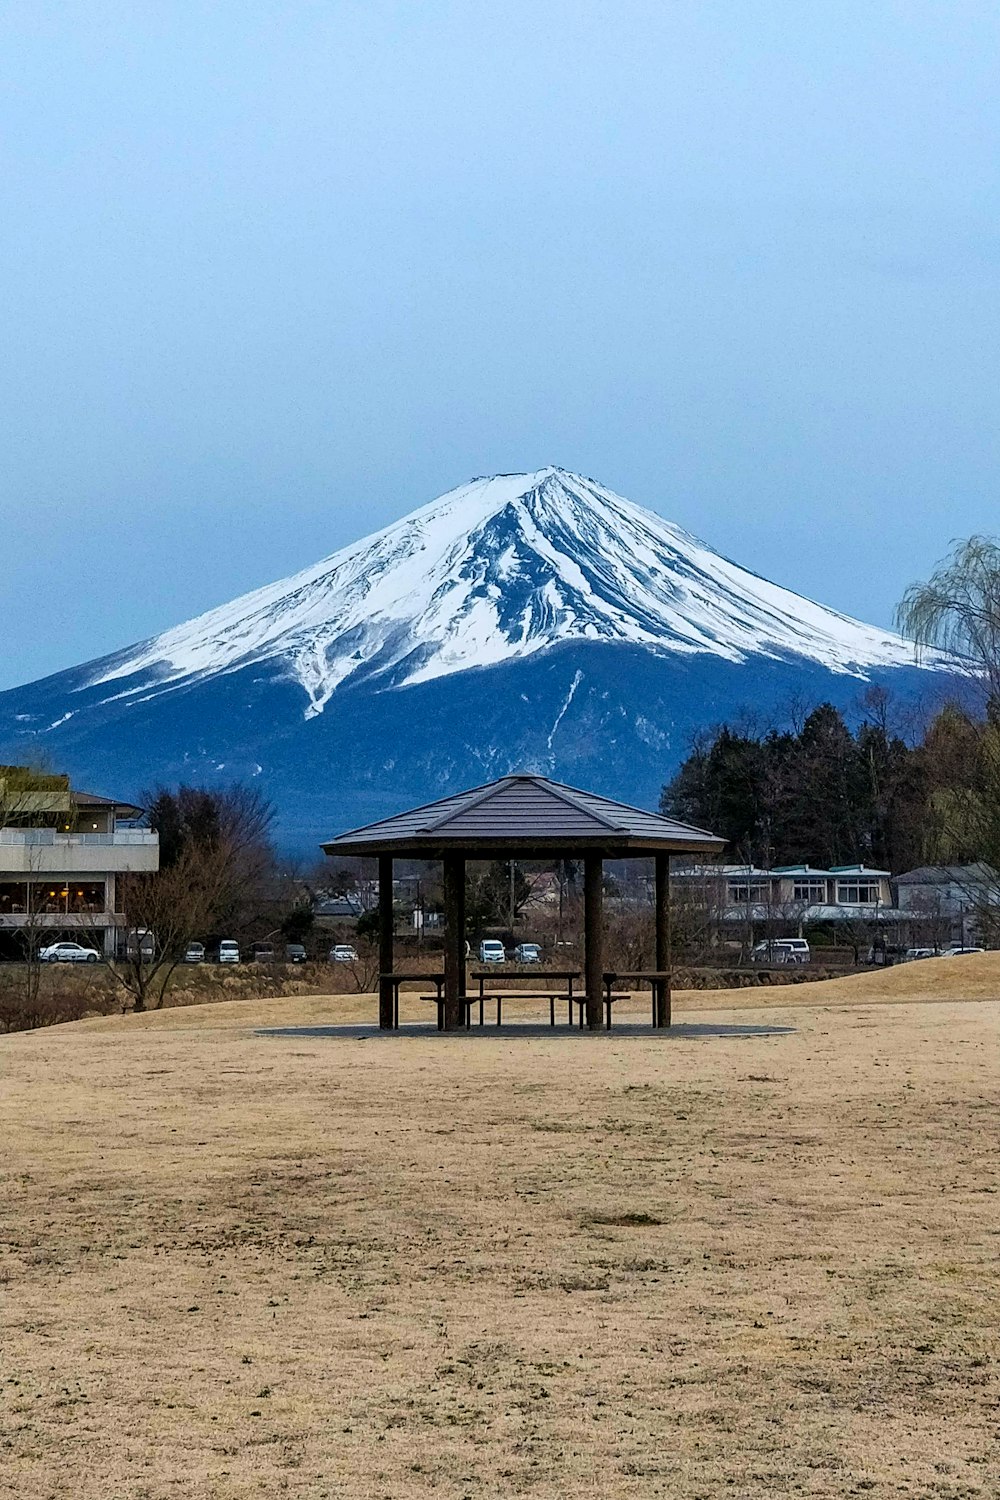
<point>585,618</point>
<point>496,569</point>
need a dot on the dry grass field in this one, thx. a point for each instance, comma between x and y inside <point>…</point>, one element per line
<point>541,1264</point>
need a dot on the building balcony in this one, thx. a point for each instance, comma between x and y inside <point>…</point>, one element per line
<point>58,921</point>
<point>45,851</point>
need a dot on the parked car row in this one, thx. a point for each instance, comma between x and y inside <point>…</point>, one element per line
<point>797,951</point>
<point>195,953</point>
<point>265,953</point>
<point>492,951</point>
<point>951,952</point>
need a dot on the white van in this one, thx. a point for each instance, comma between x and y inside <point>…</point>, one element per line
<point>781,951</point>
<point>229,952</point>
<point>492,951</point>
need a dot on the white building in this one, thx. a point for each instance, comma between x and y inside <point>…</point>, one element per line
<point>61,853</point>
<point>792,896</point>
<point>954,899</point>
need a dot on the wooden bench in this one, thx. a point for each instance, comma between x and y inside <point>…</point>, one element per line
<point>499,996</point>
<point>608,999</point>
<point>397,979</point>
<point>465,1001</point>
<point>659,984</point>
<point>535,977</point>
<point>468,1001</point>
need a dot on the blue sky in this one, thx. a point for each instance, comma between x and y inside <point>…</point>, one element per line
<point>276,273</point>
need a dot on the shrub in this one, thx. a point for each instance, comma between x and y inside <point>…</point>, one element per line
<point>20,1011</point>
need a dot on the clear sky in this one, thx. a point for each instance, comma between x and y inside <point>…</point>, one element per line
<point>275,273</point>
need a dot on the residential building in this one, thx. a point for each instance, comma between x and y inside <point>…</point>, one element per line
<point>61,853</point>
<point>745,897</point>
<point>950,901</point>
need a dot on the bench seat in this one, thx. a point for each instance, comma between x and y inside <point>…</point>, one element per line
<point>499,996</point>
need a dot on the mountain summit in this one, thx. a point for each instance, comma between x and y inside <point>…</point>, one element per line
<point>498,569</point>
<point>524,622</point>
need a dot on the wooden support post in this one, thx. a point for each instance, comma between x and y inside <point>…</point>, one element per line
<point>386,922</point>
<point>593,937</point>
<point>661,987</point>
<point>454,940</point>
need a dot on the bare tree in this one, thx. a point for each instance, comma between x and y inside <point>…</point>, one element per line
<point>215,862</point>
<point>364,969</point>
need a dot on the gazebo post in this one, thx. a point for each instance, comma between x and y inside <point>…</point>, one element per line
<point>454,940</point>
<point>593,937</point>
<point>661,987</point>
<point>386,923</point>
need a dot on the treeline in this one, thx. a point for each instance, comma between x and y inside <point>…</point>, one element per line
<point>828,795</point>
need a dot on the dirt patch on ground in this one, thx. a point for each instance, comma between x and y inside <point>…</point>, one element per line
<point>624,1265</point>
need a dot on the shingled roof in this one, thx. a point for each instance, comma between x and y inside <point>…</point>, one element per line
<point>524,814</point>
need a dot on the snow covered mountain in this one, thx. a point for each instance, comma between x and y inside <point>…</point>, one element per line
<point>490,589</point>
<point>497,569</point>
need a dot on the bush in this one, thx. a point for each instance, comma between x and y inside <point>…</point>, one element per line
<point>20,1011</point>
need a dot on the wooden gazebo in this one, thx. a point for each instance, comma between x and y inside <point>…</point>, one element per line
<point>524,817</point>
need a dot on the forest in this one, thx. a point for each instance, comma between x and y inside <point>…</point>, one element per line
<point>827,794</point>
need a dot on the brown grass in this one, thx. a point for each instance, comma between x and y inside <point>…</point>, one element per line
<point>618,1266</point>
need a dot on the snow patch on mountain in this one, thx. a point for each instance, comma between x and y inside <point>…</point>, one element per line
<point>577,679</point>
<point>501,568</point>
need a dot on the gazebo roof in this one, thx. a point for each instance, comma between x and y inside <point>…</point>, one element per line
<point>528,815</point>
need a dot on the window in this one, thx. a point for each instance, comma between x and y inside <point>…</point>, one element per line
<point>89,897</point>
<point>13,897</point>
<point>858,892</point>
<point>77,896</point>
<point>809,890</point>
<point>754,890</point>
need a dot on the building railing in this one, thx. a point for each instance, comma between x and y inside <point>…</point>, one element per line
<point>90,916</point>
<point>51,838</point>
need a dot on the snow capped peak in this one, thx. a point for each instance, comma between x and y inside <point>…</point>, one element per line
<point>499,568</point>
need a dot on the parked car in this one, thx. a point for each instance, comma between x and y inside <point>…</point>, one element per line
<point>956,949</point>
<point>194,953</point>
<point>492,951</point>
<point>781,951</point>
<point>295,953</point>
<point>68,953</point>
<point>262,953</point>
<point>140,943</point>
<point>914,953</point>
<point>229,952</point>
<point>343,953</point>
<point>528,953</point>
